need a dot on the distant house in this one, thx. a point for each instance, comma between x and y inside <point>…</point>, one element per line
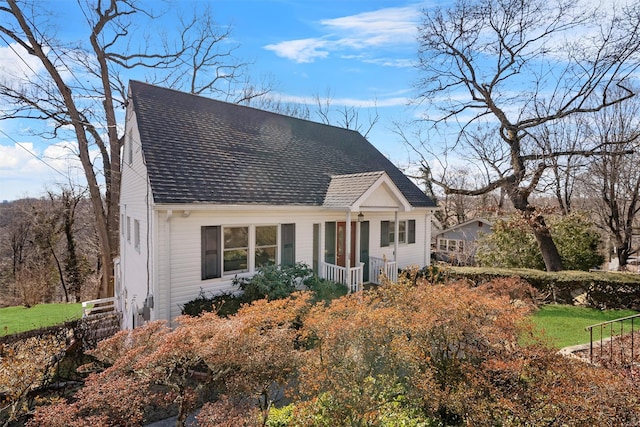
<point>456,245</point>
<point>212,190</point>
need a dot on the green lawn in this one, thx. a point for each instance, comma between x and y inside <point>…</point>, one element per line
<point>20,319</point>
<point>564,324</point>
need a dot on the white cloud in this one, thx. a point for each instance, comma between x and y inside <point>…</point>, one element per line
<point>12,157</point>
<point>27,171</point>
<point>301,51</point>
<point>392,25</point>
<point>16,64</point>
<point>382,28</point>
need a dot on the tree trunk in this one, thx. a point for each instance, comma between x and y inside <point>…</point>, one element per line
<point>622,250</point>
<point>548,248</point>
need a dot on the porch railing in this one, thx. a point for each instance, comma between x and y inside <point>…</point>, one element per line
<point>614,330</point>
<point>380,268</point>
<point>353,278</point>
<point>98,306</point>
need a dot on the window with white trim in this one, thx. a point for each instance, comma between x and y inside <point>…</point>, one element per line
<point>406,232</point>
<point>136,234</point>
<point>451,245</point>
<point>266,245</point>
<point>228,250</point>
<point>235,253</point>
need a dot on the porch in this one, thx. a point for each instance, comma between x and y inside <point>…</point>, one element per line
<point>341,247</point>
<point>353,277</point>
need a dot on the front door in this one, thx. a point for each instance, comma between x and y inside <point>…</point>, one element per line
<point>341,244</point>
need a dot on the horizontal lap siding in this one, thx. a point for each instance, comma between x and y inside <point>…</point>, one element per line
<point>408,254</point>
<point>184,269</point>
<point>135,263</point>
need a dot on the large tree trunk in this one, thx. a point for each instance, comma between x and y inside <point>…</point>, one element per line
<point>548,248</point>
<point>550,255</point>
<point>104,217</point>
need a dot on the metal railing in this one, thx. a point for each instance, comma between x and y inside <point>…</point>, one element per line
<point>616,331</point>
<point>380,268</point>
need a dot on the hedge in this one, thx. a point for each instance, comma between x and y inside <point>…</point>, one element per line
<point>598,289</point>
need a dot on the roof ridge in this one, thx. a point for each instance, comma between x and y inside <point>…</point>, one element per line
<point>372,173</point>
<point>233,104</point>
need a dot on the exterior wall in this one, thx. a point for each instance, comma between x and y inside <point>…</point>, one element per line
<point>467,234</point>
<point>178,259</point>
<point>135,259</point>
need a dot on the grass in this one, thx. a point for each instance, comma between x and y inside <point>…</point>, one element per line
<point>565,325</point>
<point>20,319</point>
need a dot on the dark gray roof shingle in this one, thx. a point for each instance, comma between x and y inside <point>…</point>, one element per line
<point>200,150</point>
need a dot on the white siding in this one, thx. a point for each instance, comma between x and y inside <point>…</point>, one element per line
<point>135,263</point>
<point>178,234</point>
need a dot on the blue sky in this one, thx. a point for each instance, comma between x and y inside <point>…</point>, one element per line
<point>360,52</point>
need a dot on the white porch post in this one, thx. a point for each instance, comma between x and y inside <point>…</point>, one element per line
<point>396,231</point>
<point>347,243</point>
<point>321,251</point>
<point>358,242</point>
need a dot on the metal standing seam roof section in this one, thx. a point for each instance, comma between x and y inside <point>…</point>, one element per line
<point>200,150</point>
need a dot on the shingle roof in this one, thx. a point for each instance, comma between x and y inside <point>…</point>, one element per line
<point>200,150</point>
<point>344,190</point>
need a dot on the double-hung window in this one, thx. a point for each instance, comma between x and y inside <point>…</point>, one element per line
<point>228,250</point>
<point>406,232</point>
<point>266,245</point>
<point>236,250</point>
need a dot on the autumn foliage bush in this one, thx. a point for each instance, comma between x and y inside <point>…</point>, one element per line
<point>405,354</point>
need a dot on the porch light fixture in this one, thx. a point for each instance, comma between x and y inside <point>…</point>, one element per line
<point>360,217</point>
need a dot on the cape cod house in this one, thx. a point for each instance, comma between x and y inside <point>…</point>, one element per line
<point>211,190</point>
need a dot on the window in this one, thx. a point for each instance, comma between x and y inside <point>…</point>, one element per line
<point>402,231</point>
<point>129,144</point>
<point>406,232</point>
<point>266,245</point>
<point>450,245</point>
<point>122,224</point>
<point>236,250</point>
<point>129,229</point>
<point>232,250</point>
<point>136,234</point>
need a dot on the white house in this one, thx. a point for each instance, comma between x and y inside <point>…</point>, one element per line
<point>211,190</point>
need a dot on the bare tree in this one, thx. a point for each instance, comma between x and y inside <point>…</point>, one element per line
<point>613,178</point>
<point>497,71</point>
<point>348,117</point>
<point>83,86</point>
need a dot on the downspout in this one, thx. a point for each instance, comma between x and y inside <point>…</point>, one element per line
<point>123,269</point>
<point>168,219</point>
<point>322,253</point>
<point>347,244</point>
<point>396,231</point>
<point>427,238</point>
